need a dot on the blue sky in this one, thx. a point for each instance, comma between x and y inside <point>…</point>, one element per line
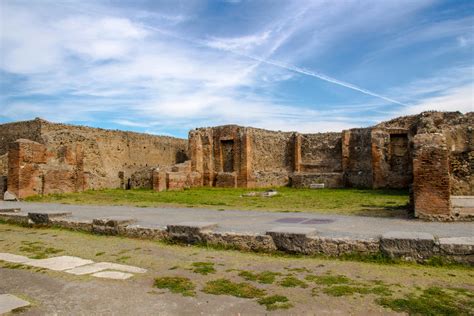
<point>165,67</point>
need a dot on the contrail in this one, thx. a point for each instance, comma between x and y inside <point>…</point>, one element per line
<point>292,68</point>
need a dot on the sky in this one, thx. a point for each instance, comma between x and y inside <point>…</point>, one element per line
<point>165,67</point>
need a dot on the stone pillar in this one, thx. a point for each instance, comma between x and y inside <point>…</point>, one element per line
<point>24,174</point>
<point>346,140</point>
<point>431,180</point>
<point>297,153</point>
<point>246,161</point>
<point>380,168</point>
<point>159,180</point>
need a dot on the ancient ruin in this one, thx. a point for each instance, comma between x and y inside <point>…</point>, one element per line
<point>431,153</point>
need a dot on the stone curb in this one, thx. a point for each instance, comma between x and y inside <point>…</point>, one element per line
<point>44,218</point>
<point>410,246</point>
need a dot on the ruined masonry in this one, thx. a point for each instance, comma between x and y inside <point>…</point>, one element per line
<point>431,153</point>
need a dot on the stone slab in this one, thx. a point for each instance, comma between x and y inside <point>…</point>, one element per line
<point>113,221</point>
<point>10,210</point>
<point>10,302</point>
<point>409,245</point>
<point>195,225</point>
<point>115,275</point>
<point>292,230</point>
<point>457,245</point>
<point>45,217</point>
<point>9,257</point>
<point>101,266</point>
<point>462,201</point>
<point>59,263</point>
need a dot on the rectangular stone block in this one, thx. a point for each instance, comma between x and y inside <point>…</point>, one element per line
<point>457,245</point>
<point>59,263</point>
<point>292,239</point>
<point>415,246</point>
<point>226,180</point>
<point>189,232</point>
<point>44,218</point>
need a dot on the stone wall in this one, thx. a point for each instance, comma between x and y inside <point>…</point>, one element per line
<point>357,157</point>
<point>321,152</point>
<point>10,132</point>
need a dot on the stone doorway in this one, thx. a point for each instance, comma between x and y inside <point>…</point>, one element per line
<point>227,147</point>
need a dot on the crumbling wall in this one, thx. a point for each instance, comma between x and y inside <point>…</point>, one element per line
<point>357,157</point>
<point>321,152</point>
<point>10,132</point>
<point>272,157</point>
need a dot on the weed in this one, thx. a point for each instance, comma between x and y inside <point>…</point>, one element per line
<point>265,277</point>
<point>275,302</point>
<point>99,253</point>
<point>328,279</point>
<point>227,287</point>
<point>291,281</point>
<point>203,268</point>
<point>180,285</point>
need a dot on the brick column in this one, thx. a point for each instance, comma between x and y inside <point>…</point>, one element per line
<point>431,181</point>
<point>297,153</point>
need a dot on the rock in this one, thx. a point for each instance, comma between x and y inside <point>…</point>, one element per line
<point>269,193</point>
<point>8,196</point>
<point>292,239</point>
<point>408,245</point>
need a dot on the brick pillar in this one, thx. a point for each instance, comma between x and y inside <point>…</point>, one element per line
<point>346,140</point>
<point>431,180</point>
<point>297,153</point>
<point>379,144</point>
<point>246,160</point>
<point>24,174</point>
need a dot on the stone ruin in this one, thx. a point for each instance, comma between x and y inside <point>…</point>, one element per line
<point>430,153</point>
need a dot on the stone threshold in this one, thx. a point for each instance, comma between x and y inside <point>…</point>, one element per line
<point>408,246</point>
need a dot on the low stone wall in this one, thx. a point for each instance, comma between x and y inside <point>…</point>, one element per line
<point>409,246</point>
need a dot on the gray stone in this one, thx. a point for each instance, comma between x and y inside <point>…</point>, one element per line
<point>243,241</point>
<point>111,225</point>
<point>14,258</point>
<point>10,302</point>
<point>17,218</point>
<point>8,196</point>
<point>100,266</point>
<point>316,186</point>
<point>408,245</point>
<point>115,275</point>
<point>292,239</point>
<point>457,245</point>
<point>45,217</point>
<point>10,210</point>
<point>59,263</point>
<point>269,193</point>
<point>190,232</point>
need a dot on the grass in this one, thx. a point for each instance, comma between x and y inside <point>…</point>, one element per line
<point>341,201</point>
<point>431,301</point>
<point>328,279</point>
<point>203,268</point>
<point>274,302</point>
<point>179,285</point>
<point>265,277</point>
<point>227,287</point>
<point>291,281</point>
<point>37,249</point>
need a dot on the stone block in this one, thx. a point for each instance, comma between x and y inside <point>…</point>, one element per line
<point>59,263</point>
<point>17,218</point>
<point>112,225</point>
<point>226,180</point>
<point>316,186</point>
<point>114,275</point>
<point>292,239</point>
<point>44,218</point>
<point>176,180</point>
<point>9,196</point>
<point>408,245</point>
<point>13,258</point>
<point>457,246</point>
<point>242,241</point>
<point>101,266</point>
<point>9,303</point>
<point>189,232</point>
<point>10,210</point>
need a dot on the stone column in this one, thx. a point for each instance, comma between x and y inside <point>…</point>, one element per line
<point>297,152</point>
<point>431,180</point>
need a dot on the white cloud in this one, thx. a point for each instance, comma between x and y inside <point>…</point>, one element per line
<point>454,99</point>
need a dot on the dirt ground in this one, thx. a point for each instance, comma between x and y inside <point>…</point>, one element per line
<point>310,285</point>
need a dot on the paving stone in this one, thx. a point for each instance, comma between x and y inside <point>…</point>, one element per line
<point>14,258</point>
<point>10,302</point>
<point>113,275</point>
<point>45,217</point>
<point>101,266</point>
<point>59,263</point>
<point>457,245</point>
<point>408,245</point>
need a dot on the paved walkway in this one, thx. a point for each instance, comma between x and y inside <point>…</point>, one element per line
<point>255,221</point>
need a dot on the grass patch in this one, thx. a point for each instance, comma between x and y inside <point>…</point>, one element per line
<point>341,201</point>
<point>37,249</point>
<point>265,277</point>
<point>343,290</point>
<point>328,279</point>
<point>275,302</point>
<point>203,268</point>
<point>291,281</point>
<point>179,285</point>
<point>227,287</point>
<point>431,301</point>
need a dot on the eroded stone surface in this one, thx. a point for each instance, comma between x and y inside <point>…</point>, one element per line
<point>101,266</point>
<point>10,302</point>
<point>115,275</point>
<point>409,245</point>
<point>59,263</point>
<point>14,258</point>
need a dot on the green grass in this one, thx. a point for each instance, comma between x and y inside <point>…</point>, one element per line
<point>203,268</point>
<point>431,301</point>
<point>265,277</point>
<point>179,285</point>
<point>341,201</point>
<point>227,287</point>
<point>274,302</point>
<point>328,279</point>
<point>37,250</point>
<point>291,281</point>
